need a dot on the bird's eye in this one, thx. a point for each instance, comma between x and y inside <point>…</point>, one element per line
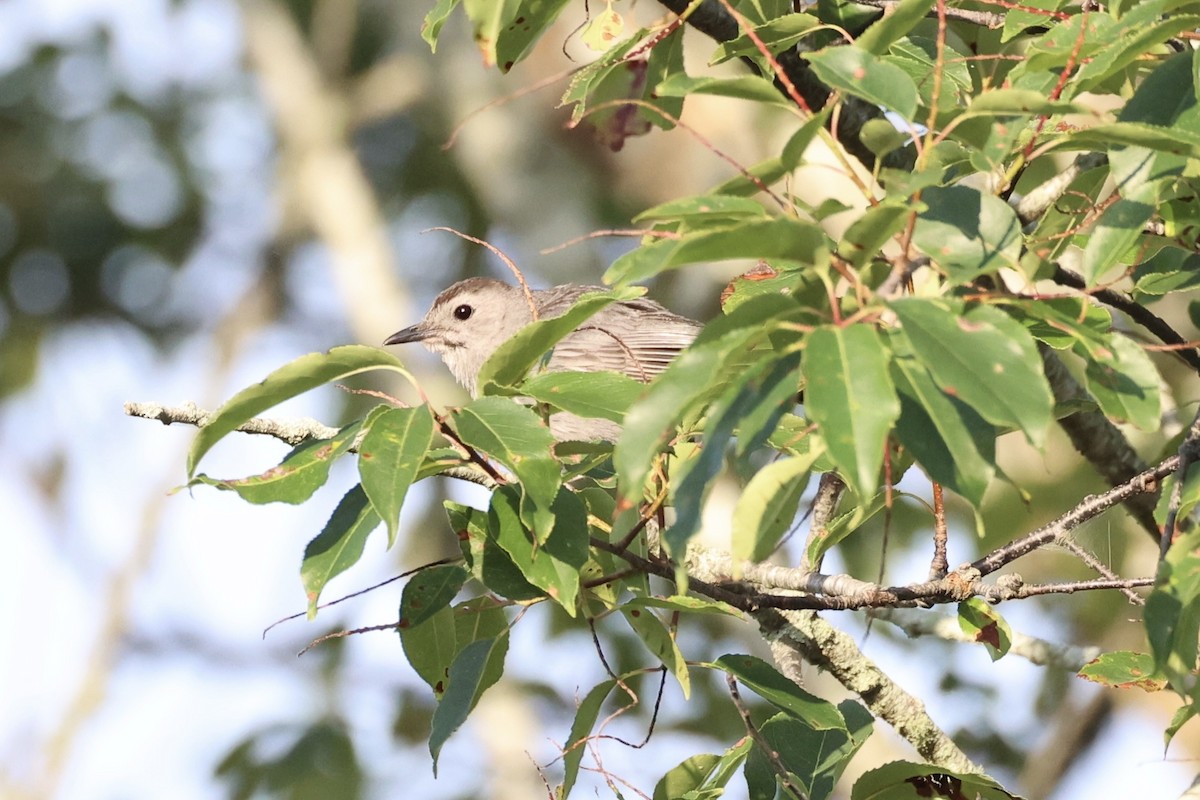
<point>463,312</point>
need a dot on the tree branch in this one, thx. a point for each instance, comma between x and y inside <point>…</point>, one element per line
<point>291,431</point>
<point>760,585</point>
<point>1038,651</point>
<point>1137,312</point>
<point>821,644</point>
<point>1101,443</point>
<point>1146,482</point>
<point>713,20</point>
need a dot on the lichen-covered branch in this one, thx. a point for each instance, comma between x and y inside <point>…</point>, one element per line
<point>291,431</point>
<point>835,652</point>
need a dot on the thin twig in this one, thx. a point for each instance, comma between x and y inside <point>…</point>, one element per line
<point>1091,507</point>
<point>772,755</point>
<point>496,251</point>
<point>939,564</point>
<point>387,626</point>
<point>1099,567</point>
<point>352,595</point>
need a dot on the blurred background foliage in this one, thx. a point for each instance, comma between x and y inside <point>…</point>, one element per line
<point>209,189</point>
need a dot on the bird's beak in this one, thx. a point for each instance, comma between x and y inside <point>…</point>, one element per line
<point>413,333</point>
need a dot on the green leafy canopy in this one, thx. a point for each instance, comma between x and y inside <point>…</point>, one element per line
<point>1015,191</point>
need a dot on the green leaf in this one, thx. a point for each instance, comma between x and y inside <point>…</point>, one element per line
<point>814,758</point>
<point>769,684</point>
<point>339,545</point>
<point>1057,229</point>
<point>553,566</point>
<point>947,437</point>
<point>792,154</point>
<point>844,524</point>
<point>702,776</point>
<point>600,90</point>
<point>1173,613</point>
<point>776,279</point>
<point>899,21</point>
<point>767,506</point>
<point>851,398</point>
<point>1018,102</point>
<point>858,72</point>
<point>431,27</point>
<point>487,560</point>
<point>979,619</point>
<point>867,235</point>
<point>659,641</point>
<point>1016,20</point>
<point>882,137</point>
<point>776,238</point>
<point>1124,382</point>
<point>697,373</point>
<point>774,395</point>
<point>1064,322</point>
<point>750,181</point>
<point>904,779</point>
<point>389,458</point>
<point>770,381</point>
<point>1189,496</point>
<point>688,778</point>
<point>432,646</point>
<point>918,57</point>
<point>1173,141</point>
<point>429,591</point>
<point>1117,229</point>
<point>296,377</point>
<point>742,87</point>
<point>1077,38</point>
<point>984,358</point>
<point>505,30</point>
<point>1169,270</point>
<point>1182,716</point>
<point>967,233</point>
<point>777,34</point>
<point>603,395</point>
<point>466,684</point>
<point>514,435</point>
<point>298,476</point>
<point>512,361</point>
<point>581,729</point>
<point>1136,35</point>
<point>685,604</point>
<point>704,209</point>
<point>1124,669</point>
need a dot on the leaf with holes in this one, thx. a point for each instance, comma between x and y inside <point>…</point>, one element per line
<point>980,620</point>
<point>429,591</point>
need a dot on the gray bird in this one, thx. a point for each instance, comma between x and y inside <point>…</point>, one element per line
<point>468,321</point>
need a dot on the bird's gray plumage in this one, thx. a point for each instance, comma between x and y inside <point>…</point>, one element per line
<point>469,320</point>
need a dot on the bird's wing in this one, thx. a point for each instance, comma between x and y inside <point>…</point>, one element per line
<point>637,338</point>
